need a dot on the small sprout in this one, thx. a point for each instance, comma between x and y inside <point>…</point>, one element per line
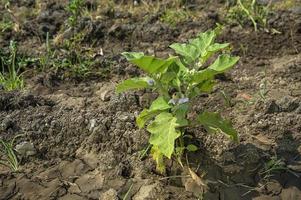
<point>11,79</point>
<point>191,148</point>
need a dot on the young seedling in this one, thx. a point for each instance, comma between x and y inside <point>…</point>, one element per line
<point>249,10</point>
<point>10,79</point>
<point>47,59</point>
<point>174,16</point>
<point>186,74</point>
<point>8,157</point>
<point>75,8</point>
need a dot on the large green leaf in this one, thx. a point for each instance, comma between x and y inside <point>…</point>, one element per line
<point>188,51</point>
<point>202,81</point>
<point>211,50</point>
<point>213,122</point>
<point>168,77</point>
<point>223,62</point>
<point>164,133</point>
<point>202,75</point>
<point>157,106</point>
<point>133,83</point>
<point>149,64</point>
<point>203,41</point>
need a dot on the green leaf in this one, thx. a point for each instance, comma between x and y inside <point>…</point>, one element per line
<point>149,64</point>
<point>168,77</point>
<point>223,62</point>
<point>203,41</point>
<point>191,148</point>
<point>206,86</point>
<point>202,81</point>
<point>217,47</point>
<point>133,83</point>
<point>180,112</point>
<point>213,122</point>
<point>188,51</point>
<point>182,67</point>
<point>164,133</point>
<point>202,76</point>
<point>157,106</point>
<point>212,49</point>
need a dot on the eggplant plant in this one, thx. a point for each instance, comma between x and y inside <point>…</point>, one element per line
<point>186,74</point>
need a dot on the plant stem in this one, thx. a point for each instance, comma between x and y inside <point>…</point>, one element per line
<point>248,13</point>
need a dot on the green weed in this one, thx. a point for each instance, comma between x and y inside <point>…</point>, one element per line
<point>75,8</point>
<point>243,12</point>
<point>178,80</point>
<point>47,60</point>
<point>8,157</point>
<point>272,167</point>
<point>174,16</point>
<point>6,25</point>
<point>10,78</point>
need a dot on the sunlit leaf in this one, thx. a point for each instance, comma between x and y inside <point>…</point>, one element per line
<point>223,62</point>
<point>188,51</point>
<point>164,133</point>
<point>157,106</point>
<point>133,83</point>
<point>149,64</point>
<point>217,47</point>
<point>203,41</point>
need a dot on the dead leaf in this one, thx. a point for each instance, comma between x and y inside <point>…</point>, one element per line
<point>196,178</point>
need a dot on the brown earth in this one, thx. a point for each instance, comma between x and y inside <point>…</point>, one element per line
<point>86,141</point>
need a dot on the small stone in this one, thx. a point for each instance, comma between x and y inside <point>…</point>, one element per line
<point>110,194</point>
<point>288,104</point>
<point>105,96</point>
<point>6,124</point>
<point>291,193</point>
<point>74,189</point>
<point>282,82</point>
<point>26,149</point>
<point>136,3</point>
<point>91,183</point>
<point>92,124</point>
<point>273,187</point>
<point>123,118</point>
<point>272,107</point>
<point>192,186</point>
<point>147,192</point>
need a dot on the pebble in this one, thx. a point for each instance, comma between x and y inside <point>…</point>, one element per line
<point>26,149</point>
